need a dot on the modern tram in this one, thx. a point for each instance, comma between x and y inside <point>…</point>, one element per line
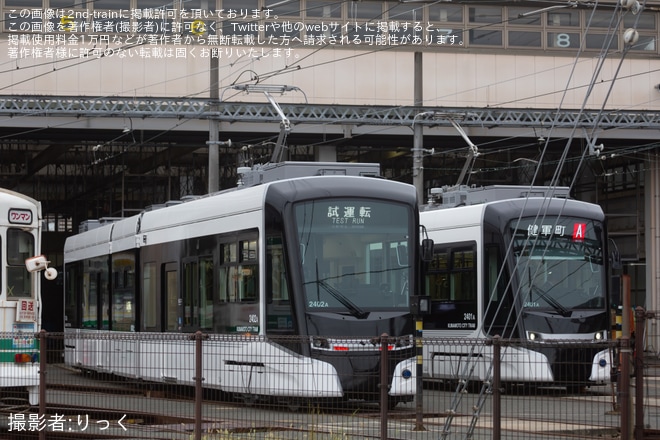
<point>20,292</point>
<point>293,276</point>
<point>525,263</point>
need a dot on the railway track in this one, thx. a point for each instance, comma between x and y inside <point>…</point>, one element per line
<point>83,405</point>
<point>102,406</point>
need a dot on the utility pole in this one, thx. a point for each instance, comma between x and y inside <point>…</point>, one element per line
<point>418,140</point>
<point>214,126</point>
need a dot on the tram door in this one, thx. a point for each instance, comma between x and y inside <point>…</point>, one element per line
<point>172,319</point>
<point>171,352</point>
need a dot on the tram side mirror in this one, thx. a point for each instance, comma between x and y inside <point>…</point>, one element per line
<point>615,256</point>
<point>615,260</point>
<point>420,305</point>
<point>37,263</point>
<point>615,291</point>
<point>427,250</point>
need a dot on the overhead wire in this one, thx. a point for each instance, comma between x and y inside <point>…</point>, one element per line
<point>529,242</point>
<point>513,79</point>
<point>562,160</point>
<point>467,370</point>
<point>276,73</point>
<point>96,58</point>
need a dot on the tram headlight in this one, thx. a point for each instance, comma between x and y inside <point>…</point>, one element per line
<point>403,341</point>
<point>406,374</point>
<point>601,335</point>
<point>320,343</point>
<point>533,336</point>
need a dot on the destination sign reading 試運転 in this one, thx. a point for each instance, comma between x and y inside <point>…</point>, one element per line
<point>346,214</point>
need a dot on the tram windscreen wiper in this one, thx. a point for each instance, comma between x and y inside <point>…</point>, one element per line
<point>355,310</point>
<point>563,311</point>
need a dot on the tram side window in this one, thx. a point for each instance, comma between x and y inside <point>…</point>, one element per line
<point>463,274</point>
<point>198,294</point>
<point>228,253</point>
<point>20,246</point>
<point>190,299</point>
<point>438,277</point>
<point>95,295</point>
<point>249,280</point>
<point>170,286</point>
<point>278,306</point>
<point>278,289</point>
<point>206,293</point>
<point>239,277</point>
<point>123,292</point>
<point>453,275</point>
<point>237,307</point>
<point>500,314</point>
<point>149,296</point>
<point>71,295</point>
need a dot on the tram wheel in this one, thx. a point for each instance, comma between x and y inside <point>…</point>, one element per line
<point>575,389</point>
<point>392,403</point>
<point>290,403</point>
<point>294,405</point>
<point>248,399</point>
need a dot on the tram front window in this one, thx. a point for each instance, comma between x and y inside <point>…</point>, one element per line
<point>20,245</point>
<point>354,255</point>
<point>562,269</point>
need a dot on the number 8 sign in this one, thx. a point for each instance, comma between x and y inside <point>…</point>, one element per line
<point>563,40</point>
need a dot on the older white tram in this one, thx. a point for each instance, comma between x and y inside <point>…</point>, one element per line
<point>20,291</point>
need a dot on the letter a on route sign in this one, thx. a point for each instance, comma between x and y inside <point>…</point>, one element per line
<point>579,229</point>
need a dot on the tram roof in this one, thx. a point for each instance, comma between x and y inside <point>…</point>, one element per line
<point>13,200</point>
<point>466,215</point>
<point>198,216</point>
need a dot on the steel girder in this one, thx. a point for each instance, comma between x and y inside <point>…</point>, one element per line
<point>180,108</point>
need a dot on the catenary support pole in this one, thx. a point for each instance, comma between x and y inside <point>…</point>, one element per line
<point>384,383</point>
<point>497,395</point>
<point>214,126</point>
<point>418,141</point>
<point>43,364</point>
<point>199,336</point>
<point>624,389</point>
<point>419,375</point>
<point>640,329</point>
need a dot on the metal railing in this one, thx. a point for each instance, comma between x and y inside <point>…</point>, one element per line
<point>94,385</point>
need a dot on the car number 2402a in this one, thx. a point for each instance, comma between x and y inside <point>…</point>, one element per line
<point>317,304</point>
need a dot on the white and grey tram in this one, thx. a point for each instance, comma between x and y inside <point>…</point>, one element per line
<point>526,263</point>
<point>293,277</point>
